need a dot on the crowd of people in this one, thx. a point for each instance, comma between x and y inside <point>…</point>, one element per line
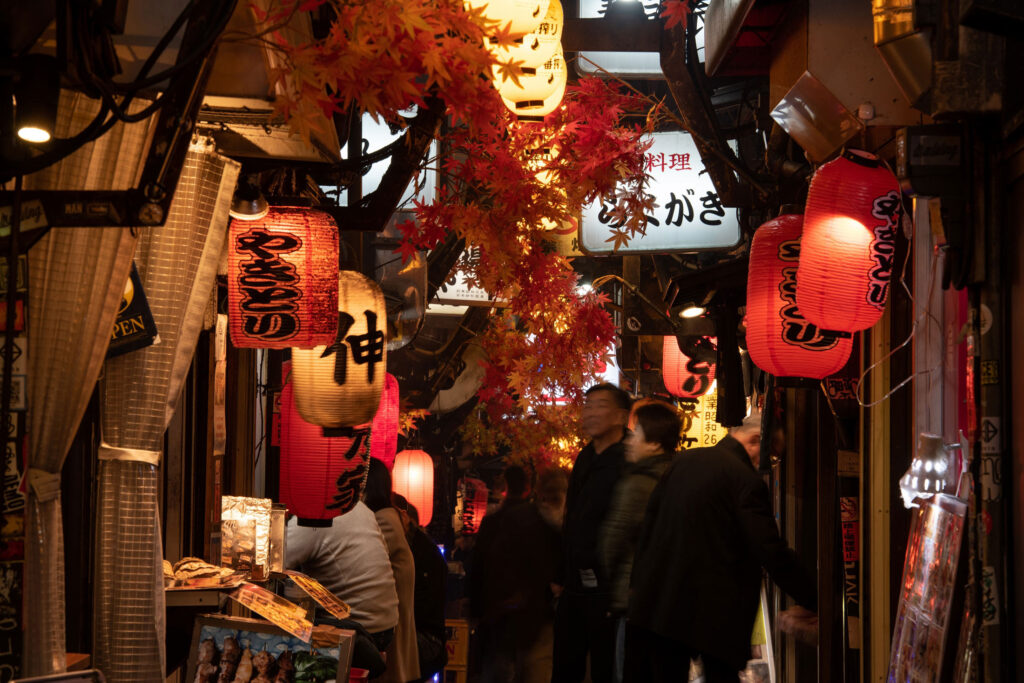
<point>644,562</point>
<point>659,563</point>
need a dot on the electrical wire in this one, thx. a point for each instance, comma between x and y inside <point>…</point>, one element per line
<point>925,312</point>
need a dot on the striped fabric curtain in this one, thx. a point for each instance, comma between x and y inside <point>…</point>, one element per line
<point>76,277</point>
<point>177,265</point>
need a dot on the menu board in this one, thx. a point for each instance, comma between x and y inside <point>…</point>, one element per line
<point>314,589</point>
<point>929,573</point>
<point>276,609</point>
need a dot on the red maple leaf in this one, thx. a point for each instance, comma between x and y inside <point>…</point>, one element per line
<point>675,12</point>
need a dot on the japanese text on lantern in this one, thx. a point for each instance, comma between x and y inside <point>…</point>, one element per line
<point>367,349</point>
<point>269,284</point>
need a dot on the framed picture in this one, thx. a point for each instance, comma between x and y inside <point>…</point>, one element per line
<point>256,650</point>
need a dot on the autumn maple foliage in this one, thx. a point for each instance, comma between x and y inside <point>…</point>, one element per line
<point>504,186</point>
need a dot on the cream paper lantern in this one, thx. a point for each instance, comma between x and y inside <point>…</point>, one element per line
<point>340,384</point>
<point>521,16</point>
<point>538,93</point>
<point>535,47</point>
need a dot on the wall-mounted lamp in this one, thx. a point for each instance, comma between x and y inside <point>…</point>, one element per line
<point>692,311</point>
<point>36,94</point>
<point>248,202</point>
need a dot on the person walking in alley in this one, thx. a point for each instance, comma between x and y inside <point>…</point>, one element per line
<point>583,621</point>
<point>696,579</point>
<point>649,451</point>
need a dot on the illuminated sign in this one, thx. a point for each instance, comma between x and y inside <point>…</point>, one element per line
<point>688,214</point>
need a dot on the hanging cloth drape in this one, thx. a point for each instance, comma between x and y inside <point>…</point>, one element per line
<point>177,265</point>
<point>76,277</point>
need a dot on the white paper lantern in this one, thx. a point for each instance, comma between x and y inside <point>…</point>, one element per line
<point>522,16</point>
<point>339,385</point>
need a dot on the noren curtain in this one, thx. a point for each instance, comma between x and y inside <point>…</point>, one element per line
<point>177,265</point>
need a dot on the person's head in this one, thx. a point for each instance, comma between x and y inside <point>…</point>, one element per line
<point>377,495</point>
<point>749,436</point>
<point>656,430</point>
<point>414,514</point>
<point>605,411</point>
<point>516,483</point>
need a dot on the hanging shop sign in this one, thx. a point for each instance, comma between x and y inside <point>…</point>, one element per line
<point>339,384</point>
<point>700,428</point>
<point>321,476</point>
<point>134,327</point>
<point>780,340</point>
<point>283,279</point>
<point>853,211</point>
<point>688,214</point>
<point>456,289</point>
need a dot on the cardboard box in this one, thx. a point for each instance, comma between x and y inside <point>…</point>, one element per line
<point>457,643</point>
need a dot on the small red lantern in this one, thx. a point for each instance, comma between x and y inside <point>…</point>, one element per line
<point>413,477</point>
<point>473,493</point>
<point>321,476</point>
<point>685,377</point>
<point>848,245</point>
<point>384,430</point>
<point>780,340</point>
<point>283,279</point>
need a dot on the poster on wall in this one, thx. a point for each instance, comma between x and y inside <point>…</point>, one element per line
<point>929,574</point>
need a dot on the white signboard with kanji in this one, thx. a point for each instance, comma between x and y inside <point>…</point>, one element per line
<point>688,215</point>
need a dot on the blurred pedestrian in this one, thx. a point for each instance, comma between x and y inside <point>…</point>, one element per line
<point>584,626</point>
<point>510,598</point>
<point>649,451</point>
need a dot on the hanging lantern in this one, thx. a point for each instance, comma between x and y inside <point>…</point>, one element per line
<point>539,90</point>
<point>321,476</point>
<point>536,47</point>
<point>413,477</point>
<point>780,340</point>
<point>282,279</point>
<point>848,245</point>
<point>472,505</point>
<point>384,432</point>
<point>521,16</point>
<point>339,385</point>
<point>685,377</point>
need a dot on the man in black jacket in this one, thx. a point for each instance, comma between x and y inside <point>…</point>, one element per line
<point>696,578</point>
<point>583,621</point>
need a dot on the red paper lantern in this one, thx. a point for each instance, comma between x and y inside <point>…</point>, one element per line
<point>846,254</point>
<point>413,477</point>
<point>321,477</point>
<point>283,279</point>
<point>780,340</point>
<point>685,377</point>
<point>474,504</point>
<point>384,430</point>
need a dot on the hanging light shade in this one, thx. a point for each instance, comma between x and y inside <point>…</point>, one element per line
<point>848,245</point>
<point>413,477</point>
<point>384,432</point>
<point>538,93</point>
<point>539,45</point>
<point>685,377</point>
<point>473,506</point>
<point>340,384</point>
<point>283,279</point>
<point>521,16</point>
<point>780,340</point>
<point>321,476</point>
